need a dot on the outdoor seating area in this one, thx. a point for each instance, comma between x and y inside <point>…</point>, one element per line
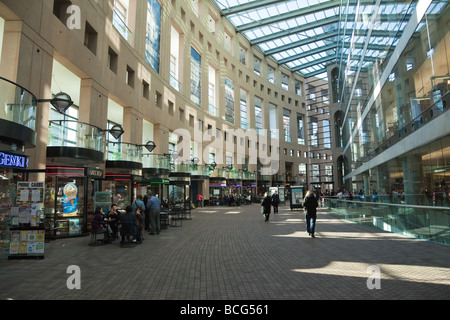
<point>127,232</point>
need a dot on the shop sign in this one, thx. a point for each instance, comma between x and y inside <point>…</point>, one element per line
<point>94,173</point>
<point>13,160</point>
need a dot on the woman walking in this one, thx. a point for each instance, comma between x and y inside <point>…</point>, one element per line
<point>266,204</point>
<point>310,205</point>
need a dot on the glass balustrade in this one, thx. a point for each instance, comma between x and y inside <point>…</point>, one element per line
<point>17,104</point>
<point>71,133</point>
<point>422,222</point>
<point>120,151</point>
<point>155,161</point>
<point>199,170</point>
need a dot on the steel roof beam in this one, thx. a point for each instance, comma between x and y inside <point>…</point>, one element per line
<point>313,63</point>
<point>289,15</point>
<point>249,6</point>
<point>302,28</point>
<point>301,43</point>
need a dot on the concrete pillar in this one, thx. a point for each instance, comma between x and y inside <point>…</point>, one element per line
<point>93,108</point>
<point>161,139</point>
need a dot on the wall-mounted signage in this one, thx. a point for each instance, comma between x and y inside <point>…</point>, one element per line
<point>12,160</point>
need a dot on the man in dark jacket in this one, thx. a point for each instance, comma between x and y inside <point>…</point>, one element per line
<point>275,202</point>
<point>266,204</point>
<point>310,204</point>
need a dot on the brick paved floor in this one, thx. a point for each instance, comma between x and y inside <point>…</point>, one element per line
<point>229,253</point>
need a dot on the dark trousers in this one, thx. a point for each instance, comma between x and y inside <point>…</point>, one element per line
<point>147,219</point>
<point>310,223</point>
<point>275,208</point>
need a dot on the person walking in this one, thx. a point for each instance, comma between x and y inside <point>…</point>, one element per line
<point>266,204</point>
<point>154,208</point>
<point>275,202</point>
<point>199,200</point>
<point>310,205</point>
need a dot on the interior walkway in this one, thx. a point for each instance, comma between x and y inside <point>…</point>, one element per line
<point>229,253</point>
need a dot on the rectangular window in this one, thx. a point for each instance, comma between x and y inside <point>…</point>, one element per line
<point>153,33</point>
<point>284,81</point>
<point>298,87</point>
<point>196,77</point>
<point>287,125</point>
<point>257,66</point>
<point>314,134</point>
<point>326,134</point>
<point>212,92</point>
<point>174,59</point>
<point>229,101</point>
<point>315,171</point>
<point>271,74</point>
<point>259,121</point>
<point>273,121</point>
<point>300,129</point>
<point>244,111</point>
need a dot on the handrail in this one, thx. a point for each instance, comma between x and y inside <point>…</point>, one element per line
<point>390,204</point>
<point>76,121</point>
<point>18,85</point>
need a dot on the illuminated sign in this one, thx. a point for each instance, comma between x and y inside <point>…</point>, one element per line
<point>11,160</point>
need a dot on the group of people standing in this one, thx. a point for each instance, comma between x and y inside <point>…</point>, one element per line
<point>142,214</point>
<point>310,204</point>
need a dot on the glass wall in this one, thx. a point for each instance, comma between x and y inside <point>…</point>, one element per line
<point>419,79</point>
<point>392,98</point>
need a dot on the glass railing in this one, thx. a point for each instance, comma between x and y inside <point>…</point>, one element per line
<point>155,161</point>
<point>422,222</point>
<point>121,151</point>
<point>235,175</point>
<point>71,133</point>
<point>17,104</point>
<point>200,170</point>
<point>181,167</point>
<point>249,176</point>
<point>174,83</point>
<point>121,26</point>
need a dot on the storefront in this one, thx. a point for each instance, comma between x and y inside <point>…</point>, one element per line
<point>70,195</point>
<point>123,173</point>
<point>17,134</point>
<point>180,187</point>
<point>155,174</point>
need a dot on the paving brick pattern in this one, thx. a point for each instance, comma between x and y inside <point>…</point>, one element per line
<point>230,253</point>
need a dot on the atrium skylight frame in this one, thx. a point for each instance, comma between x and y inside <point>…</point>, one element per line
<point>287,30</point>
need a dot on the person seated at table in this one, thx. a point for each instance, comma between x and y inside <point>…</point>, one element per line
<point>128,222</point>
<point>113,221</point>
<point>165,205</point>
<point>99,224</point>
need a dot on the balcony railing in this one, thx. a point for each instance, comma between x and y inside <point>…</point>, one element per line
<point>121,151</point>
<point>18,104</point>
<point>121,26</point>
<point>156,161</point>
<point>72,133</point>
<point>423,222</point>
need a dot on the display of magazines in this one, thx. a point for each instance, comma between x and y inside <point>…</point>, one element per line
<point>27,232</point>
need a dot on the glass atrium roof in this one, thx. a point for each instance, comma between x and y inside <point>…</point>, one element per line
<point>307,35</point>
